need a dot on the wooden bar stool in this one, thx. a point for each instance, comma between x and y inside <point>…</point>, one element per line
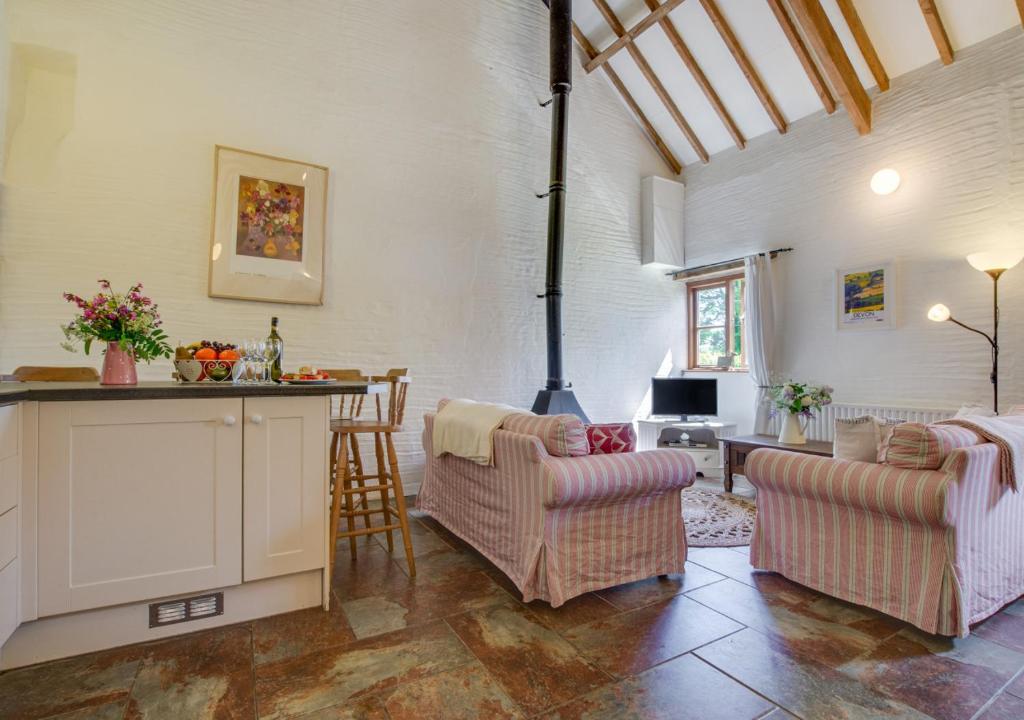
<point>348,484</point>
<point>40,373</point>
<point>350,408</point>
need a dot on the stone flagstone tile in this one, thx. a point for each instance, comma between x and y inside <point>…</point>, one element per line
<point>1006,627</point>
<point>1017,687</point>
<point>644,592</point>
<point>682,689</point>
<point>634,641</point>
<point>368,708</point>
<point>329,677</point>
<point>297,633</point>
<point>946,678</point>
<point>789,623</point>
<point>533,664</point>
<point>424,540</point>
<point>1006,707</point>
<point>89,683</point>
<point>427,597</point>
<point>800,685</point>
<point>372,567</point>
<point>110,711</point>
<point>577,611</point>
<point>204,675</point>
<point>464,693</point>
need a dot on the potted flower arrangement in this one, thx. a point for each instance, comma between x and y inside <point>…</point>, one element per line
<point>128,323</point>
<point>797,400</point>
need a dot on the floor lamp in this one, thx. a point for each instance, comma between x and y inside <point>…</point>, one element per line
<point>993,264</point>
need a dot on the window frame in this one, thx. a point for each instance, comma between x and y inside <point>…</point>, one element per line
<point>692,288</point>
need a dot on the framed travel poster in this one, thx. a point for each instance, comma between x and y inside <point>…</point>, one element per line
<point>269,228</point>
<point>865,297</point>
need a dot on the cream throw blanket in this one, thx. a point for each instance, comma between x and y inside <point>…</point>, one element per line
<point>466,429</point>
<point>1007,432</point>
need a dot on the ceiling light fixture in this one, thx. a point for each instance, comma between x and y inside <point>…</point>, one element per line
<point>885,181</point>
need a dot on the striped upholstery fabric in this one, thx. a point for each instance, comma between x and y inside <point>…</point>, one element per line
<point>562,435</point>
<point>924,447</point>
<point>940,549</point>
<point>562,526</point>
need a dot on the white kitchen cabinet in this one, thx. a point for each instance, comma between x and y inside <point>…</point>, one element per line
<point>137,499</point>
<point>285,485</point>
<point>10,567</point>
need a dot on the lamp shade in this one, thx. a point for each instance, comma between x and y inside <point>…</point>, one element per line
<point>938,313</point>
<point>995,259</point>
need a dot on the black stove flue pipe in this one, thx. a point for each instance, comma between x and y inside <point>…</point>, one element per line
<point>556,397</point>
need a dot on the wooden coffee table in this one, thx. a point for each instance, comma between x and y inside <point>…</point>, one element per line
<point>737,448</point>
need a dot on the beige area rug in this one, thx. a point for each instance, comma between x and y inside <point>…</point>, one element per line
<point>717,519</point>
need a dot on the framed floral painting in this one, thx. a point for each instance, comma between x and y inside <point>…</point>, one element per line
<point>269,228</point>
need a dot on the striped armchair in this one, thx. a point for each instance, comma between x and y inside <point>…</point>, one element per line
<point>560,525</point>
<point>939,548</point>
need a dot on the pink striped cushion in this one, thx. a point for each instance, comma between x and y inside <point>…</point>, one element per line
<point>562,435</point>
<point>924,447</point>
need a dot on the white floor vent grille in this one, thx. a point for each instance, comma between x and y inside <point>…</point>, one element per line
<point>184,610</point>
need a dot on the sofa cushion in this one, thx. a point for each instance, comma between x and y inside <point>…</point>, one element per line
<point>862,438</point>
<point>562,435</point>
<point>924,447</point>
<point>610,438</point>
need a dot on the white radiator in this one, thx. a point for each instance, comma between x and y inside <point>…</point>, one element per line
<point>822,426</point>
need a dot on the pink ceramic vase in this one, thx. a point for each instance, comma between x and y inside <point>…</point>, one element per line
<point>118,366</point>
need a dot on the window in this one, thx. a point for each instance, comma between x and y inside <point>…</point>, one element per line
<point>716,321</point>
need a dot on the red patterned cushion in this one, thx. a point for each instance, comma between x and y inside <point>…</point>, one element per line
<point>610,438</point>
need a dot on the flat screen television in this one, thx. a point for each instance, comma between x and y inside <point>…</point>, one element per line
<point>684,396</point>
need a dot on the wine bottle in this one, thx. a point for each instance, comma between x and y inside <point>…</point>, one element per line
<point>275,368</point>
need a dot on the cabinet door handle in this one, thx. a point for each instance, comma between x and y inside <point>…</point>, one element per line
<point>257,419</point>
<point>229,420</point>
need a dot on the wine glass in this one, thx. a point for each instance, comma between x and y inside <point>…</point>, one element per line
<point>271,350</point>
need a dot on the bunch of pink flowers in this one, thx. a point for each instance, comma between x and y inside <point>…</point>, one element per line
<point>130,319</point>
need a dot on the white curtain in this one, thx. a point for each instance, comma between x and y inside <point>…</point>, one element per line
<point>760,332</point>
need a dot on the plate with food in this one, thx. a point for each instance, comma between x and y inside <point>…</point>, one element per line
<point>307,376</point>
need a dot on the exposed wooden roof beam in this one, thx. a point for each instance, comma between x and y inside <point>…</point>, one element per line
<point>666,153</point>
<point>652,78</point>
<point>826,44</point>
<point>720,23</point>
<point>1020,9</point>
<point>691,63</point>
<point>804,55</point>
<point>632,34</point>
<point>938,30</point>
<point>867,48</point>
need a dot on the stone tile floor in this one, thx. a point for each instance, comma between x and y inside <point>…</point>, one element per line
<point>718,642</point>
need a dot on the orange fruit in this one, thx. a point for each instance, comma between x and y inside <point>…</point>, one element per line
<point>227,355</point>
<point>206,354</point>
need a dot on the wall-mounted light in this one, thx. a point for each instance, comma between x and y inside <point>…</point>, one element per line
<point>885,181</point>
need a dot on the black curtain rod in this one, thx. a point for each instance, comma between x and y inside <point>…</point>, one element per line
<point>723,264</point>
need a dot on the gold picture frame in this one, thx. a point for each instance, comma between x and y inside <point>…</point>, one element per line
<point>268,232</point>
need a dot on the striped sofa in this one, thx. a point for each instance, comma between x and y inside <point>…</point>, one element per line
<point>558,521</point>
<point>940,548</point>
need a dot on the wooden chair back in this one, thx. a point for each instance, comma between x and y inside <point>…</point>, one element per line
<point>351,406</point>
<point>42,373</point>
<point>398,379</point>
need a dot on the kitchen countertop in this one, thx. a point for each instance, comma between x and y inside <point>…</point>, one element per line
<point>12,392</point>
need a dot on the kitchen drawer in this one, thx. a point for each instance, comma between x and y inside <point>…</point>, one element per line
<point>8,601</point>
<point>8,536</point>
<point>8,431</point>
<point>8,483</point>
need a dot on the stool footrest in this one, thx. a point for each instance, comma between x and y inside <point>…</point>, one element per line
<point>369,530</point>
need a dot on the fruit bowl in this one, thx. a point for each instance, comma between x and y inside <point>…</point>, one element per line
<point>193,370</point>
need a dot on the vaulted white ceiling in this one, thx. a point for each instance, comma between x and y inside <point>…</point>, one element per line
<point>897,29</point>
